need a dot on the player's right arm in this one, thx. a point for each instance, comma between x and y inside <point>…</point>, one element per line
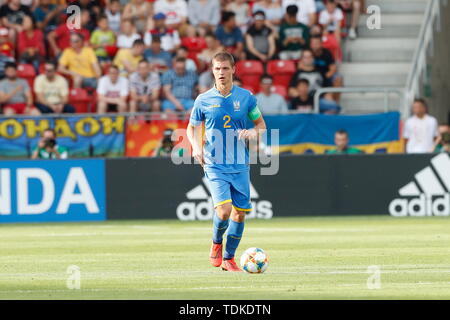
<point>194,131</point>
<point>194,134</point>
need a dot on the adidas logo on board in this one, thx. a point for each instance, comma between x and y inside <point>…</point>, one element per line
<point>200,206</point>
<point>428,194</point>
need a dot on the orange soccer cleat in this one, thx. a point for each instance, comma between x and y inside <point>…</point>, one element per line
<point>230,265</point>
<point>215,255</point>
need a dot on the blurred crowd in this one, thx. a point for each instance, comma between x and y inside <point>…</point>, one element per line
<point>138,55</point>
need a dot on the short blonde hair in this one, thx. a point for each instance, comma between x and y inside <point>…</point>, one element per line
<point>223,56</point>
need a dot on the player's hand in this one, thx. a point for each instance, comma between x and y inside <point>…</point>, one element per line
<point>248,134</point>
<point>198,155</point>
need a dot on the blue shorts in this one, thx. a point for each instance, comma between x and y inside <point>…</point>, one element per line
<point>230,187</point>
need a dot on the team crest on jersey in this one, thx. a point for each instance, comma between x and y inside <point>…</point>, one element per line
<point>236,105</point>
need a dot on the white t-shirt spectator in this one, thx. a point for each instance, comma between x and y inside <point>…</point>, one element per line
<point>332,19</point>
<point>113,20</point>
<point>420,134</point>
<point>169,40</point>
<point>174,10</point>
<point>126,42</point>
<point>305,8</point>
<point>271,104</point>
<point>113,90</point>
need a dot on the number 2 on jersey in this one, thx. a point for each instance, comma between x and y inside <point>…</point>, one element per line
<point>227,119</point>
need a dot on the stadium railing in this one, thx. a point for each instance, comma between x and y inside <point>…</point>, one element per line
<point>385,90</point>
<point>423,48</point>
<point>418,66</point>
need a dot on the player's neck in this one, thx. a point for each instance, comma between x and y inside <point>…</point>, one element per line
<point>224,89</point>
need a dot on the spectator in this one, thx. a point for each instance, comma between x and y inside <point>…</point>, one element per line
<point>307,70</point>
<point>102,38</point>
<point>160,59</point>
<point>15,93</point>
<point>170,39</point>
<point>353,7</point>
<point>212,47</point>
<point>306,12</point>
<point>331,20</point>
<point>6,47</point>
<point>166,146</point>
<point>11,15</point>
<point>320,5</point>
<point>137,11</point>
<point>4,59</point>
<point>294,36</point>
<point>59,39</point>
<point>443,142</point>
<point>80,63</point>
<point>204,15</point>
<point>268,101</point>
<point>242,13</point>
<point>342,144</point>
<point>114,15</point>
<point>48,148</point>
<point>260,39</point>
<point>127,36</point>
<point>46,15</point>
<point>328,42</point>
<point>272,10</point>
<point>182,52</point>
<point>304,102</point>
<point>176,12</point>
<point>421,129</point>
<point>31,44</point>
<point>52,91</point>
<point>94,9</point>
<point>205,81</point>
<point>324,62</point>
<point>127,59</point>
<point>230,35</point>
<point>179,87</point>
<point>112,92</point>
<point>144,89</point>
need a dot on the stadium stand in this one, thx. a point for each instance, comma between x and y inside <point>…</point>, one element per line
<point>381,57</point>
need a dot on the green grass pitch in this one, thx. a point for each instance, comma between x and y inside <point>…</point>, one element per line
<point>310,258</point>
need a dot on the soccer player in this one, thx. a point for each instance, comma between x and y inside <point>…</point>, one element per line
<point>224,110</point>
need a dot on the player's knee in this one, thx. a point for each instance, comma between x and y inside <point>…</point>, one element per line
<point>224,211</point>
<point>238,216</point>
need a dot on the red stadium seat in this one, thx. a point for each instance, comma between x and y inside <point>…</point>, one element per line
<point>27,72</point>
<point>281,90</point>
<point>281,71</point>
<point>250,72</point>
<point>80,99</point>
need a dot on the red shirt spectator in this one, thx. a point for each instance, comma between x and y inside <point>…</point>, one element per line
<point>31,38</point>
<point>59,39</point>
<point>6,47</point>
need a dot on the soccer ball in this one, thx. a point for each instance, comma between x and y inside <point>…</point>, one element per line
<point>254,260</point>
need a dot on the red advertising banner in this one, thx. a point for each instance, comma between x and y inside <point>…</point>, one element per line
<point>144,137</point>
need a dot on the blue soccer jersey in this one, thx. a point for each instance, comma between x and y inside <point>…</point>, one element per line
<point>224,117</point>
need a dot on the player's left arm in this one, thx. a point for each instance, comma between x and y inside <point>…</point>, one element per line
<point>259,128</point>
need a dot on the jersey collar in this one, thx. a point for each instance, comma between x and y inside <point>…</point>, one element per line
<point>216,91</point>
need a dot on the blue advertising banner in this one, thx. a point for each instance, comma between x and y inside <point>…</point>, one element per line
<point>52,190</point>
<point>83,136</point>
<point>314,133</point>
